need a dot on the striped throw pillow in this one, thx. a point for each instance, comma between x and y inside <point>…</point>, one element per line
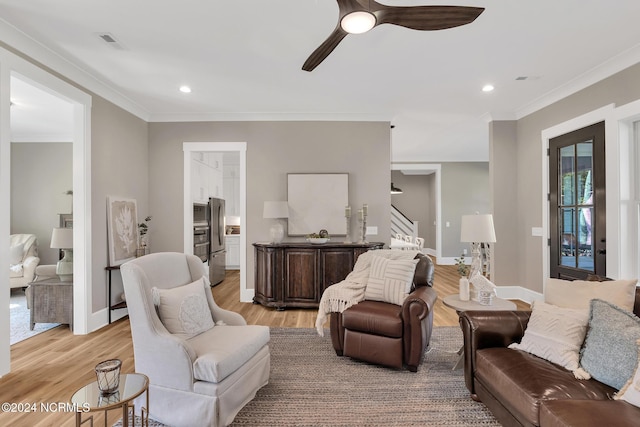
<point>390,280</point>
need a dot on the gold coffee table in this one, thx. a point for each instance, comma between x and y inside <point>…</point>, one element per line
<point>90,399</point>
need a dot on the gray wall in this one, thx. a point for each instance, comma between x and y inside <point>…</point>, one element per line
<point>417,202</point>
<point>503,173</point>
<point>119,167</point>
<point>465,190</point>
<point>274,149</point>
<point>621,88</point>
<point>40,175</point>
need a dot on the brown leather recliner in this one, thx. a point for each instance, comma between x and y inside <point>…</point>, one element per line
<point>389,334</point>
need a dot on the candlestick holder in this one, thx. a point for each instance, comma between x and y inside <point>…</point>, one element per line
<point>362,219</point>
<point>347,238</point>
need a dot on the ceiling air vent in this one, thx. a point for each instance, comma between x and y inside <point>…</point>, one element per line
<point>109,39</point>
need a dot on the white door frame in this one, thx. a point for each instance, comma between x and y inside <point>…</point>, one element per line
<point>11,64</point>
<point>241,148</point>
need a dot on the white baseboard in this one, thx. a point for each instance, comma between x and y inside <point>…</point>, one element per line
<point>100,318</point>
<point>246,295</point>
<point>452,260</point>
<point>430,251</point>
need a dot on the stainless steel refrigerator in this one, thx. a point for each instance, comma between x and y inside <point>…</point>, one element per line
<point>217,254</point>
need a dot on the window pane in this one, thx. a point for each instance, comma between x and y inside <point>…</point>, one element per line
<point>585,239</point>
<point>568,240</point>
<point>585,173</point>
<point>567,176</point>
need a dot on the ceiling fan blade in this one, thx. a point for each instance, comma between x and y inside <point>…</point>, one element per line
<point>425,18</point>
<point>324,49</point>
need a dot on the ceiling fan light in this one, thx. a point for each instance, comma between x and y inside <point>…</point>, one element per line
<point>358,22</point>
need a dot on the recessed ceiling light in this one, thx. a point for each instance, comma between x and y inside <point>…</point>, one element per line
<point>487,88</point>
<point>185,89</point>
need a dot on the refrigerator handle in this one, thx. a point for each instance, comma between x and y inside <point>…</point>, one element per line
<point>220,226</point>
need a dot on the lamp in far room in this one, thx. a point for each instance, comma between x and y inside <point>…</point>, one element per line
<point>62,238</point>
<point>277,211</point>
<point>477,229</point>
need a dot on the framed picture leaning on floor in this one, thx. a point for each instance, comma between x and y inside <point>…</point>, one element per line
<point>122,229</point>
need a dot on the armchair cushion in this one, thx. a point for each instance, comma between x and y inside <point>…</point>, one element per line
<point>184,310</point>
<point>390,280</point>
<point>388,319</point>
<point>220,351</point>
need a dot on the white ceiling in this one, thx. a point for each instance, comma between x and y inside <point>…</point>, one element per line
<point>243,61</point>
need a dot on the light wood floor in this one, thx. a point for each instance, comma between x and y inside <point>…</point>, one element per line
<point>51,366</point>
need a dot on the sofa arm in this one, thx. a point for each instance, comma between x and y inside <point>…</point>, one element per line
<point>45,270</point>
<point>485,329</point>
<point>417,317</point>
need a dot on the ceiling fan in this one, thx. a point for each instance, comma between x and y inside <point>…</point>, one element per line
<point>359,16</point>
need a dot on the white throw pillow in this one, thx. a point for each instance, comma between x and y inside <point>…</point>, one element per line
<point>390,280</point>
<point>631,390</point>
<point>15,254</point>
<point>184,310</point>
<point>579,293</point>
<point>556,334</point>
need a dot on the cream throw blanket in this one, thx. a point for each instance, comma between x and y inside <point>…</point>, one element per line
<point>337,298</point>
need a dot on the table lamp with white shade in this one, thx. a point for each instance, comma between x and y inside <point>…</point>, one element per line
<point>477,229</point>
<point>62,238</point>
<point>277,211</point>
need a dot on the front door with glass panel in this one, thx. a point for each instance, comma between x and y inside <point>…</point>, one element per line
<point>577,204</point>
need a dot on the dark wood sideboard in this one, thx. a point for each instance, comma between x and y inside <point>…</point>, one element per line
<point>296,274</point>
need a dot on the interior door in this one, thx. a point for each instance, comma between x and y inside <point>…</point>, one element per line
<point>577,203</point>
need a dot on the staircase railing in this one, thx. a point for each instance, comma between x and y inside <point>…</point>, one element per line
<point>400,224</point>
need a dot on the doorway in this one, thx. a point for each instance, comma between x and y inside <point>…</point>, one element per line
<point>577,203</point>
<point>12,65</point>
<point>238,151</point>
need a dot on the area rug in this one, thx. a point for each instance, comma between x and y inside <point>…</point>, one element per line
<point>311,386</point>
<point>20,318</point>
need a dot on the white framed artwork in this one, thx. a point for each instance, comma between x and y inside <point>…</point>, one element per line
<point>122,229</point>
<point>317,202</point>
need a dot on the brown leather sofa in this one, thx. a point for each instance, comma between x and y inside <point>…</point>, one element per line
<point>388,334</point>
<point>524,390</point>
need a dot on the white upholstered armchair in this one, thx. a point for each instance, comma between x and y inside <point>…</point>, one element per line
<point>23,259</point>
<point>200,373</point>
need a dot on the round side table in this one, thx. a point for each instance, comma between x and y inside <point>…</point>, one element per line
<point>454,302</point>
<point>131,386</point>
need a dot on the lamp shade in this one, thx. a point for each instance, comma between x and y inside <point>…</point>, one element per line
<point>276,210</point>
<point>62,238</point>
<point>477,228</point>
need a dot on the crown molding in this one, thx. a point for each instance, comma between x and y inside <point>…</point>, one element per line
<point>268,116</point>
<point>23,44</point>
<point>39,137</point>
<point>600,72</point>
